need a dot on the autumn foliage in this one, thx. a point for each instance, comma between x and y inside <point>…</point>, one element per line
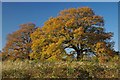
<point>79,29</point>
<point>18,44</point>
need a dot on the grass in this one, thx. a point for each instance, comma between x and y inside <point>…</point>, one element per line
<point>63,69</point>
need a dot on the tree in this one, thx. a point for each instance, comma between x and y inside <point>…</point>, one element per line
<point>80,29</point>
<point>19,42</point>
<point>101,49</point>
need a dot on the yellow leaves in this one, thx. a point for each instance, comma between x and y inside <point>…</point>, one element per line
<point>72,10</point>
<point>36,43</point>
<point>84,8</point>
<point>52,58</point>
<point>98,19</point>
<point>78,32</point>
<point>103,51</point>
<point>34,55</point>
<point>51,48</point>
<point>60,40</point>
<point>70,23</point>
<point>101,45</point>
<point>54,24</point>
<point>85,11</point>
<point>55,39</point>
<point>36,34</point>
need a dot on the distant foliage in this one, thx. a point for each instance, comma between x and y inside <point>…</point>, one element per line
<point>19,43</point>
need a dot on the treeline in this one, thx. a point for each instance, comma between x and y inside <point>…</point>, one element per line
<point>79,30</point>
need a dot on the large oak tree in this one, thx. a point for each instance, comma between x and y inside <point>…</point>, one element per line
<point>79,29</point>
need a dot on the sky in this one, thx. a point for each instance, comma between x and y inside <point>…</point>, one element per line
<point>60,0</point>
<point>16,13</point>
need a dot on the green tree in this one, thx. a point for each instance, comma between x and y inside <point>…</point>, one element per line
<point>80,29</point>
<point>19,43</point>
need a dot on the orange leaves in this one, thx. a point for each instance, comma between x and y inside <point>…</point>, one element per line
<point>71,23</point>
<point>53,24</point>
<point>70,27</point>
<point>78,32</point>
<point>79,29</point>
<point>101,44</point>
<point>97,17</point>
<point>97,20</point>
<point>85,11</point>
<point>80,12</point>
<point>100,48</point>
<point>19,42</point>
<point>103,51</point>
<point>67,12</point>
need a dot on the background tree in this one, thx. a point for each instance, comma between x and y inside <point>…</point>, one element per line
<point>19,42</point>
<point>80,29</point>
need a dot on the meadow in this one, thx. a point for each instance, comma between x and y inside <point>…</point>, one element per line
<point>29,69</point>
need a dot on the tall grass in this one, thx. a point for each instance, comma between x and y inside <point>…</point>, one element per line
<point>63,69</point>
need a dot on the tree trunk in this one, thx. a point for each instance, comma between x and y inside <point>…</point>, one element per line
<point>79,54</point>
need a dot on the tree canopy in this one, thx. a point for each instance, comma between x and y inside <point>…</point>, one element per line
<point>19,42</point>
<point>80,29</point>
